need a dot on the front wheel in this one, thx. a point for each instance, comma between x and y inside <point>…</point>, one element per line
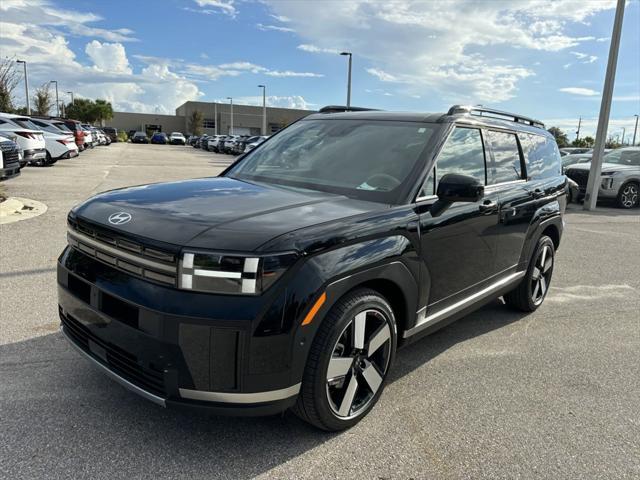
<point>533,288</point>
<point>628,195</point>
<point>348,363</point>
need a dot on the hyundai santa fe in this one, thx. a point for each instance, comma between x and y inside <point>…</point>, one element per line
<point>290,280</point>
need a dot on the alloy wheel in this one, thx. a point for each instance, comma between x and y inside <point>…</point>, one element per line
<point>629,196</point>
<point>358,364</point>
<point>541,274</point>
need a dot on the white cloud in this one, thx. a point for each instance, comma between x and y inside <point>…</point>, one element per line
<point>290,101</point>
<point>274,28</point>
<point>435,47</point>
<point>224,6</point>
<point>315,49</point>
<point>585,92</point>
<point>108,57</point>
<point>289,73</point>
<point>237,68</point>
<point>281,18</point>
<point>584,56</point>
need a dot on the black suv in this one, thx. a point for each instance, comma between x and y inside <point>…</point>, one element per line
<point>290,280</point>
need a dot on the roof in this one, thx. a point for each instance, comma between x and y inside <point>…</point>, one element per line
<point>463,118</point>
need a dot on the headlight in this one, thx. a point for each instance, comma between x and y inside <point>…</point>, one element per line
<point>232,274</point>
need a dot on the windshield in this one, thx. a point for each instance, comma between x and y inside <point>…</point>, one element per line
<point>365,159</point>
<point>623,156</point>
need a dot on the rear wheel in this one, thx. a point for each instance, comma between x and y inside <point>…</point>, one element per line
<point>628,195</point>
<point>348,362</point>
<point>533,288</point>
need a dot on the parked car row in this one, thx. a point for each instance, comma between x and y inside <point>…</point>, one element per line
<point>43,140</point>
<point>620,177</point>
<point>230,144</point>
<point>159,138</point>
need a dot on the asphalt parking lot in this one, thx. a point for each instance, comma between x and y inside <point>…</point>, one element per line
<point>499,394</point>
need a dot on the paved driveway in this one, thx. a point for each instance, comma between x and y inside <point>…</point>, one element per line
<point>554,394</point>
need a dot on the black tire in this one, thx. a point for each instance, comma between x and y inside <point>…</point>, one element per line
<point>526,297</point>
<point>628,195</point>
<point>315,403</point>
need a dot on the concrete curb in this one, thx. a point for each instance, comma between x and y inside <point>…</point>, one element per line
<point>14,209</point>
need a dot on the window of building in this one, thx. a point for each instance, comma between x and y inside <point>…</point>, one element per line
<point>208,123</point>
<point>505,165</point>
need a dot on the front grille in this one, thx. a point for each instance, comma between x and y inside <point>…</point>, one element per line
<point>581,177</point>
<point>119,361</point>
<point>10,154</point>
<point>132,257</point>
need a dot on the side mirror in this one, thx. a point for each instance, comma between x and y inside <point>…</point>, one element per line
<point>453,188</point>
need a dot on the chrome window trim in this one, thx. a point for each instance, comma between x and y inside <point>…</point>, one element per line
<point>114,376</point>
<point>426,320</point>
<point>229,397</point>
<point>119,253</point>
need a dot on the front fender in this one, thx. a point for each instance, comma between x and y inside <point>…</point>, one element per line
<point>336,272</point>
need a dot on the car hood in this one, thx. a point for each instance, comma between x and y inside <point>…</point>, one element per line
<point>217,213</point>
<point>606,167</point>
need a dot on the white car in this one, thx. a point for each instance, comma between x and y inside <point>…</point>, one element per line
<point>252,145</point>
<point>30,138</point>
<point>176,138</point>
<point>59,144</point>
<point>89,137</point>
<point>9,158</point>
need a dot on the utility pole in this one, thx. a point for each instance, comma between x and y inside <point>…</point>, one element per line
<point>231,126</point>
<point>579,124</point>
<point>591,196</point>
<point>57,101</point>
<point>623,132</point>
<point>264,109</point>
<point>350,55</point>
<point>26,84</point>
<point>635,131</point>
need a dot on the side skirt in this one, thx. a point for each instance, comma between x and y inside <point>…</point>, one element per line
<point>442,317</point>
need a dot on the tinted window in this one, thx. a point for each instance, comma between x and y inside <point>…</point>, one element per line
<point>364,159</point>
<point>541,156</point>
<point>463,154</point>
<point>623,156</point>
<point>505,164</point>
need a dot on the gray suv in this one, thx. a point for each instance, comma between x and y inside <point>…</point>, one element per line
<point>620,177</point>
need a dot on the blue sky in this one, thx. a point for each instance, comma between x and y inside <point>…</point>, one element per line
<point>544,58</point>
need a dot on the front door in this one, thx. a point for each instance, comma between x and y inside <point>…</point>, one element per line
<point>458,247</point>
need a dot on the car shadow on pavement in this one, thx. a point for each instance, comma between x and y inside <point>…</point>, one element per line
<point>62,418</point>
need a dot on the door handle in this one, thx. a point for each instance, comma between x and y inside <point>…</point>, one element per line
<point>487,207</point>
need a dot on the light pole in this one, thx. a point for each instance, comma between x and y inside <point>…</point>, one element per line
<point>57,101</point>
<point>579,125</point>
<point>635,131</point>
<point>348,79</point>
<point>264,109</point>
<point>26,84</point>
<point>231,126</point>
<point>593,183</point>
<point>72,101</point>
<point>623,132</point>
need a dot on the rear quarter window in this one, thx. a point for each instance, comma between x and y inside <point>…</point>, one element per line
<point>541,155</point>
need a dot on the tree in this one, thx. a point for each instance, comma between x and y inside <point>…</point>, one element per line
<point>9,79</point>
<point>43,100</point>
<point>560,136</point>
<point>195,122</point>
<point>88,111</point>
<point>584,142</point>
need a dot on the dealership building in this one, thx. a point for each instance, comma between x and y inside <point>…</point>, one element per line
<point>247,119</point>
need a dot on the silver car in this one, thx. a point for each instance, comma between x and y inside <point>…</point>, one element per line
<point>620,176</point>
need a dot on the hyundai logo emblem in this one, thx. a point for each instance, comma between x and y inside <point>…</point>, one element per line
<point>119,218</point>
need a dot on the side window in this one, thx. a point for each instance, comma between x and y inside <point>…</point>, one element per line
<point>463,154</point>
<point>505,165</point>
<point>429,186</point>
<point>541,155</point>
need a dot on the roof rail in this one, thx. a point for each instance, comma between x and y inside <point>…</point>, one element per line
<point>343,108</point>
<point>497,114</point>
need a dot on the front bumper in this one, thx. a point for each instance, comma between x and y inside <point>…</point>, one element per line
<point>10,172</point>
<point>174,359</point>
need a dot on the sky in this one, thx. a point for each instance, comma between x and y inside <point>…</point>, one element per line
<point>542,58</point>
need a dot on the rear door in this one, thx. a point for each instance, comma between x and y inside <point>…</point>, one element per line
<point>506,179</point>
<point>458,247</point>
